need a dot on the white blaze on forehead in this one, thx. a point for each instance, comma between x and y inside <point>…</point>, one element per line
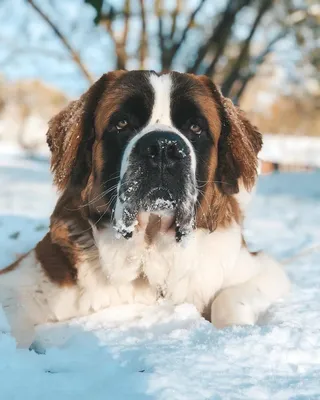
<point>161,106</point>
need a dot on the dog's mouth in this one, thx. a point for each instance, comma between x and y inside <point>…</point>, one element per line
<point>158,211</point>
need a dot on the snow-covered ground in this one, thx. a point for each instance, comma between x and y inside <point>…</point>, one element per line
<point>165,352</point>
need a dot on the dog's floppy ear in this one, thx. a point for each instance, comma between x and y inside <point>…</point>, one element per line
<point>71,135</point>
<point>238,147</point>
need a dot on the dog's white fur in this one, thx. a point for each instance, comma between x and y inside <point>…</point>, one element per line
<point>206,268</point>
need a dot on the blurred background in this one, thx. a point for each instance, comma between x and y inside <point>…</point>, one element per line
<point>265,55</point>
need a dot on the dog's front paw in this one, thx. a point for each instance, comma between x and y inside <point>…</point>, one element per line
<point>228,309</point>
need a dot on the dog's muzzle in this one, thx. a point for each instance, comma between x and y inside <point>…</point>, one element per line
<point>159,179</point>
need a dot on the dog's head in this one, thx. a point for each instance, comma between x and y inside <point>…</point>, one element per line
<point>137,144</point>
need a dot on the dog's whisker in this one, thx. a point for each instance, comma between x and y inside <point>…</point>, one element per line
<point>110,179</point>
<point>213,181</point>
<point>97,198</point>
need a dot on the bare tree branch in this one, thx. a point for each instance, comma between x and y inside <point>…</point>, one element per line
<point>121,57</point>
<point>223,38</point>
<point>225,32</point>
<point>121,54</point>
<point>174,18</point>
<point>74,54</point>
<point>118,14</point>
<point>143,39</point>
<point>234,73</point>
<point>159,12</point>
<point>176,46</point>
<point>256,62</point>
<point>126,24</point>
<point>220,34</point>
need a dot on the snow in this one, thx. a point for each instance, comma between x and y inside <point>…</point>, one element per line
<point>163,204</point>
<point>123,228</point>
<point>165,352</point>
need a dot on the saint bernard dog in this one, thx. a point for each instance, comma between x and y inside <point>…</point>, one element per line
<point>154,174</point>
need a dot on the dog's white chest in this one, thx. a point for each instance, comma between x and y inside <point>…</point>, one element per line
<point>191,271</point>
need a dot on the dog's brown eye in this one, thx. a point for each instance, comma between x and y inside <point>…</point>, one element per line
<point>195,129</point>
<point>121,124</point>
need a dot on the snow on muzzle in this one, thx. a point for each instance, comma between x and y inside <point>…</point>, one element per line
<point>158,178</point>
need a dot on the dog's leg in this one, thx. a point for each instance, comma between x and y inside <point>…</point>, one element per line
<point>22,328</point>
<point>241,303</point>
<point>21,323</point>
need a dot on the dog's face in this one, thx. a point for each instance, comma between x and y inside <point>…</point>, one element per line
<point>138,144</point>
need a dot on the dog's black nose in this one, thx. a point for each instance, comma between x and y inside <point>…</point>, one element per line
<point>162,149</point>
